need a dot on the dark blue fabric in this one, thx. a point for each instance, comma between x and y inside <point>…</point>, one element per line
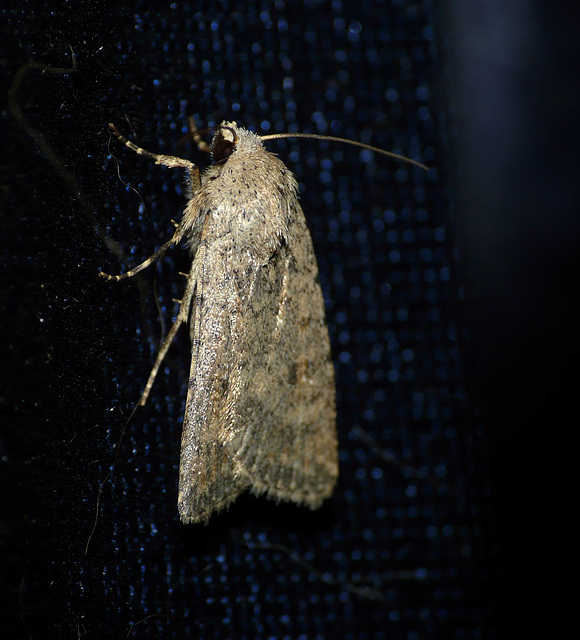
<point>406,546</point>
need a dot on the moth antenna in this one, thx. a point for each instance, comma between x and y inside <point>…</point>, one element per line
<point>354,143</point>
<point>196,133</point>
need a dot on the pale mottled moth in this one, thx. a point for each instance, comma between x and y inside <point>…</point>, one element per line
<point>260,411</point>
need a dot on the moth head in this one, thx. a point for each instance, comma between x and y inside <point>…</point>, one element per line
<point>224,142</point>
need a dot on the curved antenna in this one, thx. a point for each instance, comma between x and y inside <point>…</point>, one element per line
<point>275,136</point>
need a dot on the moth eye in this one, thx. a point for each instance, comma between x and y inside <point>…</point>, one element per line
<point>223,150</point>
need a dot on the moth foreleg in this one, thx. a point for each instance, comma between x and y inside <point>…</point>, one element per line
<point>172,162</point>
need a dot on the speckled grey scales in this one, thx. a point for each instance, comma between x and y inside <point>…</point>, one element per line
<point>260,411</point>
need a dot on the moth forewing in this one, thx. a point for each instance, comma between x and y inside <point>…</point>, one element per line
<point>260,410</point>
<point>289,450</point>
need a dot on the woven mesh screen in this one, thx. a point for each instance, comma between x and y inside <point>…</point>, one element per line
<point>404,547</point>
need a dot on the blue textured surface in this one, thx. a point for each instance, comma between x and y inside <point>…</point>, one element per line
<point>401,550</point>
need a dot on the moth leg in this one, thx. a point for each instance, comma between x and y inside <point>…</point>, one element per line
<point>182,317</point>
<point>175,239</point>
<point>167,161</point>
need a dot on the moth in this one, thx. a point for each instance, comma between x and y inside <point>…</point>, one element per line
<point>260,412</point>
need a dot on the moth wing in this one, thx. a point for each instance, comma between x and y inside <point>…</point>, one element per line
<point>208,480</point>
<point>285,441</point>
<point>260,410</point>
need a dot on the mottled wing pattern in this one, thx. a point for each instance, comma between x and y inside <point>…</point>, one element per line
<point>208,481</point>
<point>284,442</point>
<point>260,406</point>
